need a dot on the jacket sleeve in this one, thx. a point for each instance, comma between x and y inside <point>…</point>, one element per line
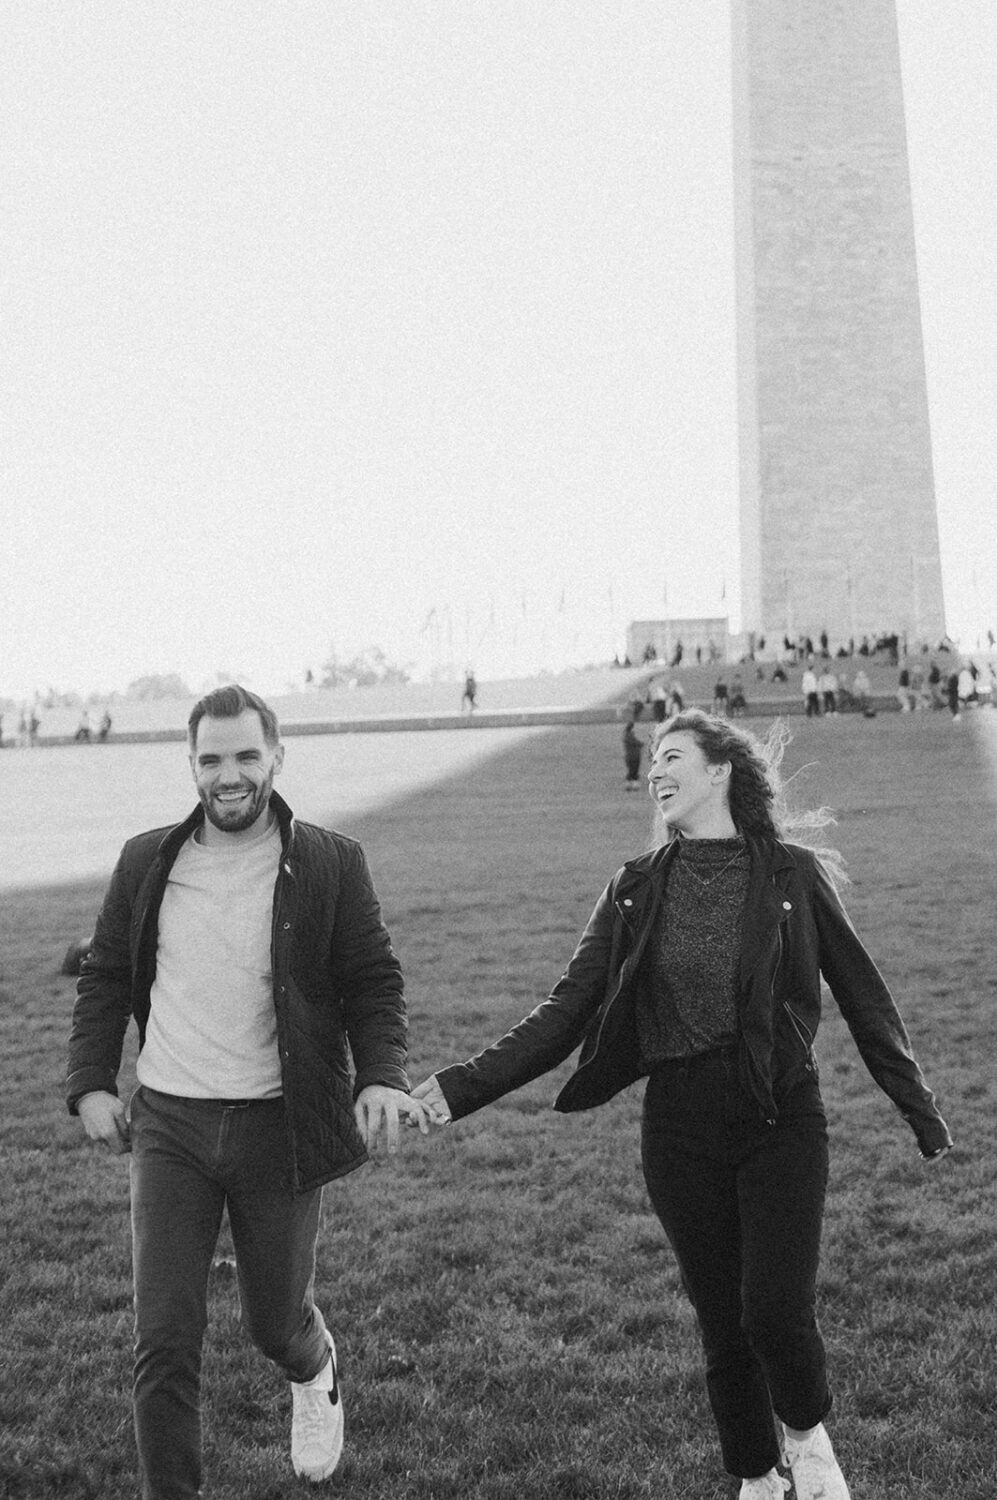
<point>103,999</point>
<point>545,1037</point>
<point>873,1019</point>
<point>368,977</point>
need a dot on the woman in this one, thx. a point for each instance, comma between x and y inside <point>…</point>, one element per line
<point>700,969</point>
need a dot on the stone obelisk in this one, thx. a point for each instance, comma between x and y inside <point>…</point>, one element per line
<point>838,522</point>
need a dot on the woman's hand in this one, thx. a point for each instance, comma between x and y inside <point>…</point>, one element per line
<point>431,1096</point>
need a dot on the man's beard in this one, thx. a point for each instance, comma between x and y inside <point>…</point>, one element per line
<point>236,819</point>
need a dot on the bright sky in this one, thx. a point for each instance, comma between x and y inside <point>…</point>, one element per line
<point>318,317</point>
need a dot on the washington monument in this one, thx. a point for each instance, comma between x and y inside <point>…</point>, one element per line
<point>837,500</point>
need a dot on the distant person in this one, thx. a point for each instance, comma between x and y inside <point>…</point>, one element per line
<point>967,686</point>
<point>779,673</point>
<point>904,695</point>
<point>34,724</point>
<point>809,689</point>
<point>82,735</point>
<point>736,927</point>
<point>738,702</point>
<point>862,689</point>
<point>676,660</point>
<point>470,693</point>
<point>249,948</point>
<point>720,695</point>
<point>104,728</point>
<point>676,696</point>
<point>23,733</point>
<point>827,686</point>
<point>935,685</point>
<point>633,750</point>
<point>952,694</point>
<point>659,702</point>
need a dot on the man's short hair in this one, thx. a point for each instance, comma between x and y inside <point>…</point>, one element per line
<point>228,703</point>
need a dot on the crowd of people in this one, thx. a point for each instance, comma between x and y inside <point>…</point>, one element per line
<point>827,687</point>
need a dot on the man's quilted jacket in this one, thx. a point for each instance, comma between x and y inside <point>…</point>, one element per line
<point>337,985</point>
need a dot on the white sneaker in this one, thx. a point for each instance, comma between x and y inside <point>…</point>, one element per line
<point>771,1486</point>
<point>816,1475</point>
<point>317,1423</point>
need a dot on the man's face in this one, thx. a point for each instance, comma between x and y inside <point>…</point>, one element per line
<point>233,769</point>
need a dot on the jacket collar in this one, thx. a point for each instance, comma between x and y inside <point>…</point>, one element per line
<point>174,838</point>
<point>765,909</point>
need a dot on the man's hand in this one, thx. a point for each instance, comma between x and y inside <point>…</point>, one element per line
<point>433,1098</point>
<point>378,1105</point>
<point>105,1121</point>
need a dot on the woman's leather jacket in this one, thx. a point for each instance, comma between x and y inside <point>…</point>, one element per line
<point>794,931</point>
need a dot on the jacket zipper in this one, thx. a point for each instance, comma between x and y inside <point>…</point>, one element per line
<point>803,1032</point>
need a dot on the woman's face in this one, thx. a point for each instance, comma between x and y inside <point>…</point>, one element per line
<point>690,794</point>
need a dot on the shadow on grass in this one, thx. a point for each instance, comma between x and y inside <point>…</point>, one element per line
<point>509,1320</point>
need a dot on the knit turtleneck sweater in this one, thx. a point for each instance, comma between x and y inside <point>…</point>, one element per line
<point>688,1000</point>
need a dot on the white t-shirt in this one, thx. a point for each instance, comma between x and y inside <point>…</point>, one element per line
<point>212,1029</point>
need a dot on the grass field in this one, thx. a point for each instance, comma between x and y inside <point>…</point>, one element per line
<point>509,1320</point>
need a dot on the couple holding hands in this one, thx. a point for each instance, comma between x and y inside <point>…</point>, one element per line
<point>699,972</point>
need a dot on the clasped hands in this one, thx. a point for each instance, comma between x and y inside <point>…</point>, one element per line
<point>378,1106</point>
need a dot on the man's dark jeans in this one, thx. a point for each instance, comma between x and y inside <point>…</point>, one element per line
<point>742,1203</point>
<point>192,1158</point>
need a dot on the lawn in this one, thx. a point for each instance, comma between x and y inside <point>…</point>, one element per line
<point>509,1320</point>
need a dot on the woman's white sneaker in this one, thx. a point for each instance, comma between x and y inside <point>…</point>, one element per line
<point>771,1486</point>
<point>816,1475</point>
<point>317,1423</point>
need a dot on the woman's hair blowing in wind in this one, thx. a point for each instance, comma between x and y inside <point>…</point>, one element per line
<point>759,806</point>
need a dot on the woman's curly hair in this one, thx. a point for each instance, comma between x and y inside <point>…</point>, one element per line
<point>758,802</point>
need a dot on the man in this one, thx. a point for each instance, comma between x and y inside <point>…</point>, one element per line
<point>250,950</point>
<point>828,689</point>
